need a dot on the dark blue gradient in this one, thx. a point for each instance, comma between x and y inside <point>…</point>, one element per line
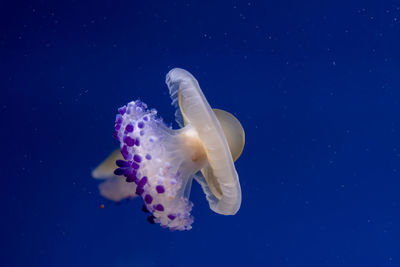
<point>316,85</point>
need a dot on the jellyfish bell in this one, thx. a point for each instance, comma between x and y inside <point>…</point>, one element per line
<point>161,162</point>
<point>219,172</point>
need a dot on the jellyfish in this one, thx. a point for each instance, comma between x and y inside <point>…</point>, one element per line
<point>158,163</point>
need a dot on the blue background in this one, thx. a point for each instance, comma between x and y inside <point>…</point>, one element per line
<point>316,85</point>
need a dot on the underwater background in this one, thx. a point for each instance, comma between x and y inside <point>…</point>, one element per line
<point>315,84</point>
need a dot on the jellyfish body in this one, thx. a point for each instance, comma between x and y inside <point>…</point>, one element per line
<point>159,163</point>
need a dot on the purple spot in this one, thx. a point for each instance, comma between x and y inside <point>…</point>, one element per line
<point>137,142</point>
<point>131,177</point>
<point>117,126</point>
<point>139,191</point>
<point>137,158</point>
<point>129,141</point>
<point>159,207</point>
<point>122,163</point>
<point>129,128</point>
<point>160,189</point>
<point>171,217</point>
<point>140,124</point>
<point>122,110</point>
<point>145,118</point>
<point>118,119</point>
<point>144,209</point>
<point>120,171</point>
<point>124,152</point>
<point>148,199</point>
<point>148,157</point>
<point>135,165</point>
<point>150,219</point>
<point>142,182</point>
<point>133,172</point>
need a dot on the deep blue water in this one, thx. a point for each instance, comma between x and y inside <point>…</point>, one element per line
<point>316,85</point>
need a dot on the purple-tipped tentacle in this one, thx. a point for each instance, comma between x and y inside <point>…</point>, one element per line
<point>143,136</point>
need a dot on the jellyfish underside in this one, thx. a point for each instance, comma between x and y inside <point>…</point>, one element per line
<point>159,163</point>
<point>174,157</point>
